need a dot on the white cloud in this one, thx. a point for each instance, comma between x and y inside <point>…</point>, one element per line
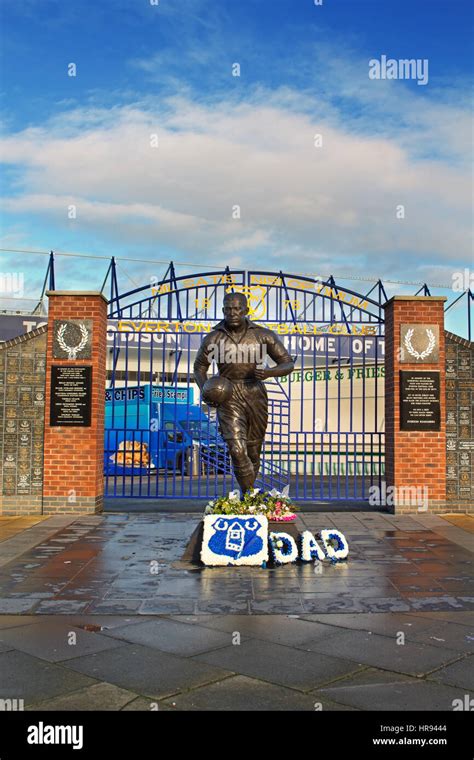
<point>336,203</point>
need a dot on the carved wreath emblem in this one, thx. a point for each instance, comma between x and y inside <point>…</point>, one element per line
<point>72,351</point>
<point>429,348</point>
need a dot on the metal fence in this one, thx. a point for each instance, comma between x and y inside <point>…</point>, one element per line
<point>325,435</point>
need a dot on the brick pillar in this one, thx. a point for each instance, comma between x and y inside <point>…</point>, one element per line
<point>74,455</point>
<point>413,458</point>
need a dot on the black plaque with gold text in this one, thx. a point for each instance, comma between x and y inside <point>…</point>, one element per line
<point>420,400</point>
<point>71,394</point>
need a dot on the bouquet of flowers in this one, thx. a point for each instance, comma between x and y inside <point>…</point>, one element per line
<point>274,505</point>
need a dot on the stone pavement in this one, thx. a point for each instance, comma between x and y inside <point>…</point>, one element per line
<point>96,613</point>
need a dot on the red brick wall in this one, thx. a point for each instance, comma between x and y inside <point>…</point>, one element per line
<point>73,456</point>
<point>413,458</point>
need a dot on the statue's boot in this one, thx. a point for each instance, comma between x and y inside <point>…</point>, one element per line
<point>245,481</point>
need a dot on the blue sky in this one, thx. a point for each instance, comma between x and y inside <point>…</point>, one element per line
<point>84,141</point>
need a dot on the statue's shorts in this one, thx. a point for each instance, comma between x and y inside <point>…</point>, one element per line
<point>244,417</point>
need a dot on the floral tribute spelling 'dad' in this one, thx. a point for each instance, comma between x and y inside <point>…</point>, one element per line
<point>236,533</point>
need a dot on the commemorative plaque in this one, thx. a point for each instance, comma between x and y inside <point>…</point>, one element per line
<point>420,401</point>
<point>71,393</point>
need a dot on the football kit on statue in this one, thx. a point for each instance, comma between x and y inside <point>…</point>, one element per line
<point>242,417</point>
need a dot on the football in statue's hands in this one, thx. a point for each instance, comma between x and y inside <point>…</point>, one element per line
<point>217,390</point>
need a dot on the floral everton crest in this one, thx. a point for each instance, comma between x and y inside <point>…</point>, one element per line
<point>72,338</point>
<point>235,540</point>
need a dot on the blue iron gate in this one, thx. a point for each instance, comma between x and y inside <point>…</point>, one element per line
<point>325,432</point>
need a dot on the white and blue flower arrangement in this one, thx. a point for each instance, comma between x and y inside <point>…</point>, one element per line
<point>236,533</point>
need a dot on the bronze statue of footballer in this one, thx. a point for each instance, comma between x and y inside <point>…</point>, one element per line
<point>240,347</point>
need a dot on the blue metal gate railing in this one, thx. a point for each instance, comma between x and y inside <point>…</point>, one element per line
<point>325,435</point>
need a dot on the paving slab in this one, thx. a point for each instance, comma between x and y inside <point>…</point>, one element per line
<point>280,629</point>
<point>50,640</point>
<point>271,585</point>
<point>460,617</point>
<point>143,704</point>
<point>274,605</point>
<point>375,650</point>
<point>279,664</point>
<point>172,636</point>
<point>100,696</point>
<point>61,606</point>
<point>146,671</point>
<point>328,602</point>
<point>114,607</point>
<point>386,623</point>
<point>416,582</point>
<point>34,535</point>
<point>26,677</point>
<point>382,690</point>
<point>385,604</point>
<point>440,602</point>
<point>240,693</point>
<point>460,673</point>
<point>14,606</point>
<point>228,606</point>
<point>13,621</point>
<point>171,606</point>
<point>444,633</point>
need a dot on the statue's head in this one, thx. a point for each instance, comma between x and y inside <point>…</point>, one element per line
<point>235,310</point>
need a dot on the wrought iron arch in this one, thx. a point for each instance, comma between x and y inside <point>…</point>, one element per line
<point>296,298</point>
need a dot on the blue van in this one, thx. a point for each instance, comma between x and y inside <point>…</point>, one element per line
<point>148,428</point>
